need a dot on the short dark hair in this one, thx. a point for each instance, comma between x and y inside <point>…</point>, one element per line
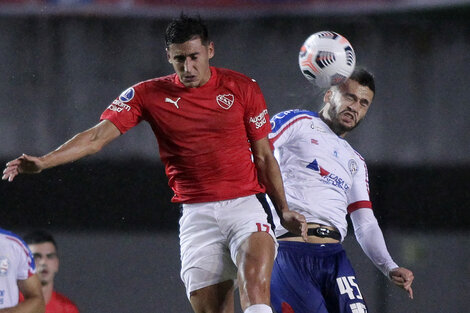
<point>39,236</point>
<point>364,78</point>
<point>185,28</point>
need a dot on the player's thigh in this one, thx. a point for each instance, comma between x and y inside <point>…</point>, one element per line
<point>345,295</point>
<point>205,257</point>
<point>218,298</point>
<point>292,289</point>
<point>243,217</point>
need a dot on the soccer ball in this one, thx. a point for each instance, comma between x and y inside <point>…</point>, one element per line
<point>327,58</point>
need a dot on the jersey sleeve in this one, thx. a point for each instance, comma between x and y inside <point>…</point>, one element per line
<point>126,110</point>
<point>256,113</point>
<point>284,126</point>
<point>358,197</point>
<point>26,266</point>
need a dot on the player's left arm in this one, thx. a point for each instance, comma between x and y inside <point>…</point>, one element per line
<point>371,239</point>
<point>270,176</point>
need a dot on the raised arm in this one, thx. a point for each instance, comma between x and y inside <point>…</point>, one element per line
<point>270,176</point>
<point>85,143</point>
<point>370,237</point>
<point>33,299</point>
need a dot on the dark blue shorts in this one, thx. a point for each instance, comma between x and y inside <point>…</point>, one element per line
<point>314,278</point>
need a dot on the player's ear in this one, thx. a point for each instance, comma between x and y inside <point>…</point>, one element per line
<point>168,55</point>
<point>327,96</point>
<point>210,50</point>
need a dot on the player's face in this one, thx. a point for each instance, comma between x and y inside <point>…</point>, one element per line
<point>349,104</point>
<point>190,61</point>
<point>47,261</point>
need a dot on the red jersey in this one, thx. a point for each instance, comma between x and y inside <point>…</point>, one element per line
<point>203,133</point>
<point>60,304</point>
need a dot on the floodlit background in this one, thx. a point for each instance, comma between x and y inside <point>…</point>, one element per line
<point>63,62</point>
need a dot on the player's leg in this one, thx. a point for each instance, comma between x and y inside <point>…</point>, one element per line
<point>344,295</point>
<point>207,269</point>
<point>253,247</point>
<point>297,278</point>
<point>217,298</point>
<point>254,262</point>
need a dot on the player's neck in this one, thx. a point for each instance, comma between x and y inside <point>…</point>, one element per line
<point>47,291</point>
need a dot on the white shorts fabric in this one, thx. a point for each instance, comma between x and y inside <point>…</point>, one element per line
<point>210,236</point>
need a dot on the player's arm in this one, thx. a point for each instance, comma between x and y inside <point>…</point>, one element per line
<point>85,143</point>
<point>270,176</point>
<point>33,298</point>
<point>371,239</point>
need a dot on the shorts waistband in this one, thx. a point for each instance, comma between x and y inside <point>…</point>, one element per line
<point>311,248</point>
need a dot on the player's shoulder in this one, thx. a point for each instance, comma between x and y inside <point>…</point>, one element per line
<point>227,74</point>
<point>354,152</point>
<point>148,86</point>
<point>13,240</point>
<point>162,81</point>
<point>284,118</point>
<point>63,300</point>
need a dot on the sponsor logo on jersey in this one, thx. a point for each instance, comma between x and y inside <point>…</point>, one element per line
<point>352,165</point>
<point>260,119</point>
<point>4,264</point>
<point>127,95</point>
<point>328,177</point>
<point>314,141</point>
<point>225,101</point>
<point>118,106</point>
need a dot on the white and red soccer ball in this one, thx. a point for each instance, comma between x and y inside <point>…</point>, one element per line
<point>326,58</point>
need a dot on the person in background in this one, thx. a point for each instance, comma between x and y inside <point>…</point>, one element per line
<point>45,253</point>
<point>17,274</point>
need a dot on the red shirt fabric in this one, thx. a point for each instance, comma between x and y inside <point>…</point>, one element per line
<point>203,133</point>
<point>60,304</point>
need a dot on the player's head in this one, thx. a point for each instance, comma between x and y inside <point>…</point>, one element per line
<point>347,104</point>
<point>44,249</point>
<point>189,50</point>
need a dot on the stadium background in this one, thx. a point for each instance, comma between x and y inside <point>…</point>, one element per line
<point>63,62</point>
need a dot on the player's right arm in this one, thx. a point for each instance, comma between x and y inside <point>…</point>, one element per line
<point>85,143</point>
<point>33,298</point>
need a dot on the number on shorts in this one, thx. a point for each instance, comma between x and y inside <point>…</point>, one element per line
<point>263,227</point>
<point>346,284</point>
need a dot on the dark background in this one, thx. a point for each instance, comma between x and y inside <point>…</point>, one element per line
<point>134,194</point>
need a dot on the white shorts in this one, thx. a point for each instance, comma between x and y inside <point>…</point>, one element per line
<point>210,236</point>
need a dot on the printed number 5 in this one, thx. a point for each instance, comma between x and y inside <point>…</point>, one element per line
<point>344,285</point>
<point>263,227</point>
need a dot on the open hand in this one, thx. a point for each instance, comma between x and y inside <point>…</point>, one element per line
<point>24,164</point>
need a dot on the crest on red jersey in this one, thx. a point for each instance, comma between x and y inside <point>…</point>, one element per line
<point>225,101</point>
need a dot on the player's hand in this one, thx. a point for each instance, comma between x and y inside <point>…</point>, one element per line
<point>295,223</point>
<point>403,278</point>
<point>25,164</point>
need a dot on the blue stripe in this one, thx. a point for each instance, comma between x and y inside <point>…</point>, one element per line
<point>10,234</point>
<point>282,118</point>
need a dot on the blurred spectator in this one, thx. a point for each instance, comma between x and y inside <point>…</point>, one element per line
<point>45,252</point>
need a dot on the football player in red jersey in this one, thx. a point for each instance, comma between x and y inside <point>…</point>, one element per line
<point>212,126</point>
<point>44,249</point>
